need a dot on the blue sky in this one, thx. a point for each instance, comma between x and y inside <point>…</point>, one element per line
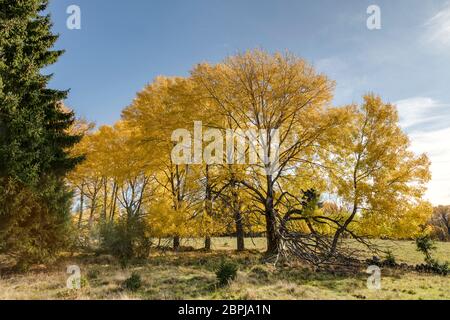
<point>123,45</point>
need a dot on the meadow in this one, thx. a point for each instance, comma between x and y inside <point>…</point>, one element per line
<point>191,275</point>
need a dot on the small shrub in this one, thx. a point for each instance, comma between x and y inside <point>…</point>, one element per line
<point>226,272</point>
<point>440,268</point>
<point>425,245</point>
<point>390,259</point>
<point>126,240</point>
<point>433,266</point>
<point>84,282</point>
<point>116,241</point>
<point>133,283</point>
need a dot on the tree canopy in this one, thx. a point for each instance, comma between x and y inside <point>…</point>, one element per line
<point>333,172</point>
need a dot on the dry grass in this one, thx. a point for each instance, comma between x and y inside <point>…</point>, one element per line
<point>191,275</point>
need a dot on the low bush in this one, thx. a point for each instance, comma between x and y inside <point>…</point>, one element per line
<point>133,283</point>
<point>125,240</point>
<point>426,245</point>
<point>226,272</point>
<point>390,260</point>
<point>434,266</point>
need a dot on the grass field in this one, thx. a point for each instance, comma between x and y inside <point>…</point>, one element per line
<point>191,275</point>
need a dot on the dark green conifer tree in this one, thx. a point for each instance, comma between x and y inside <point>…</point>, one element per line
<point>34,138</point>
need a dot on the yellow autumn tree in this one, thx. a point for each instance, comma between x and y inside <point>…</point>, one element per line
<point>268,94</point>
<point>161,108</point>
<point>376,176</point>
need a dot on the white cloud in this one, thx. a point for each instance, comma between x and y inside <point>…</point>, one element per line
<point>438,28</point>
<point>417,113</point>
<point>436,145</point>
<point>417,110</point>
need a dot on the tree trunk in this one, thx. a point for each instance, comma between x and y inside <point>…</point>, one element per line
<point>93,205</point>
<point>80,219</point>
<point>208,243</point>
<point>446,219</point>
<point>239,231</point>
<point>105,199</point>
<point>271,233</point>
<point>271,222</point>
<point>91,215</point>
<point>176,243</point>
<point>340,231</point>
<point>208,207</point>
<point>113,202</point>
<point>240,245</point>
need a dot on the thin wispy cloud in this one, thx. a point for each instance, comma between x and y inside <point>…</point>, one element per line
<point>438,28</point>
<point>423,113</point>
